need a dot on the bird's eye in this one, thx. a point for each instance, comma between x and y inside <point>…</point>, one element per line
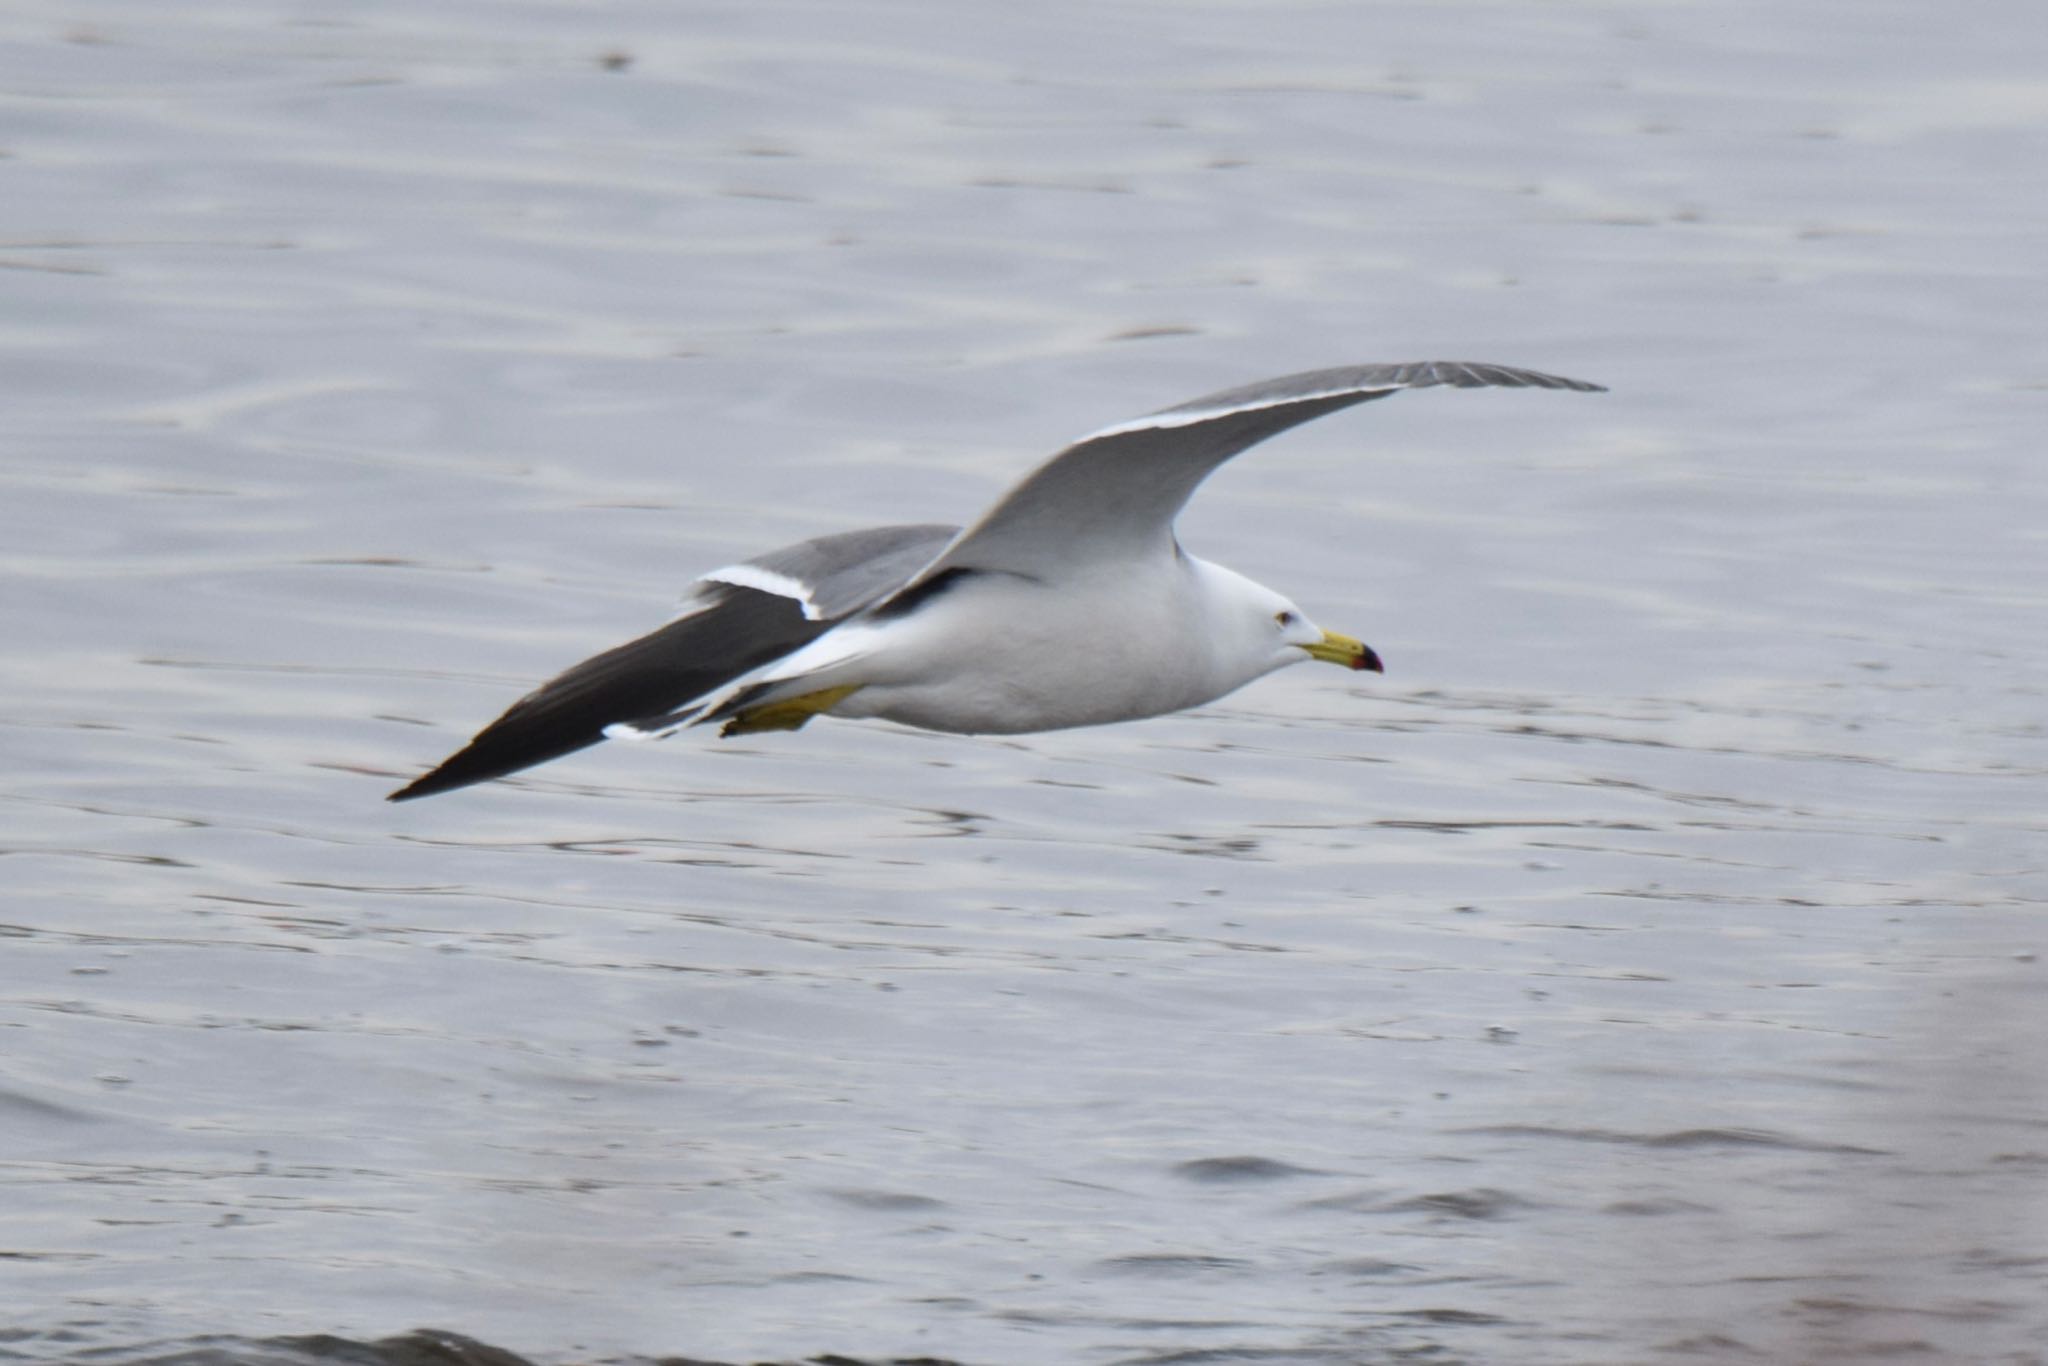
<point>1285,618</point>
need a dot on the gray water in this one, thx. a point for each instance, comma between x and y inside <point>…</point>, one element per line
<point>1646,969</point>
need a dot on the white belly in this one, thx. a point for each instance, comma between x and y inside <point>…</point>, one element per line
<point>1001,655</point>
<point>998,654</point>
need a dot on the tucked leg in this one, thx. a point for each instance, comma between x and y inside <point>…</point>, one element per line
<point>789,714</point>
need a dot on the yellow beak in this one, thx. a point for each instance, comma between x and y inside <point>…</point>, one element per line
<point>1352,654</point>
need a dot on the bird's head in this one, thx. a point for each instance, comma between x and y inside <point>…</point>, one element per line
<point>1296,632</point>
<point>1272,629</point>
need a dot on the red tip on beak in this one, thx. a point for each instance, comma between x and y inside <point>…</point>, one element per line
<point>1368,660</point>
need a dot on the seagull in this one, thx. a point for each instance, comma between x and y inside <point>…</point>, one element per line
<point>1069,603</point>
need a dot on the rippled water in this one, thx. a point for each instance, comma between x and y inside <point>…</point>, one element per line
<point>1646,968</point>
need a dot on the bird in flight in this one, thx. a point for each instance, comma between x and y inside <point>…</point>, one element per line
<point>1068,603</point>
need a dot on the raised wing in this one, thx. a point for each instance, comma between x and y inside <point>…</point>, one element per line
<point>1116,492</point>
<point>740,617</point>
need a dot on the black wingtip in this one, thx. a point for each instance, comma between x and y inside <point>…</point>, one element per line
<point>1465,374</point>
<point>646,682</point>
<point>499,749</point>
<point>427,784</point>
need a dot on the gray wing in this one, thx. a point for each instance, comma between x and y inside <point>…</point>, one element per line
<point>1114,494</point>
<point>740,617</point>
<point>835,576</point>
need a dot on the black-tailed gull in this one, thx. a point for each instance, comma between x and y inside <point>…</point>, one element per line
<point>1069,603</point>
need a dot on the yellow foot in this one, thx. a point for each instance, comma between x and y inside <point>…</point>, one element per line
<point>790,713</point>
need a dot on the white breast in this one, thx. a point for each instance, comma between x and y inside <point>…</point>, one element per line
<point>1000,654</point>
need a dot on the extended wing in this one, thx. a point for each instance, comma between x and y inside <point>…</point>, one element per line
<point>740,617</point>
<point>1114,494</point>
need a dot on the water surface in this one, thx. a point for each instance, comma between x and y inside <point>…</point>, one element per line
<point>1646,968</point>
